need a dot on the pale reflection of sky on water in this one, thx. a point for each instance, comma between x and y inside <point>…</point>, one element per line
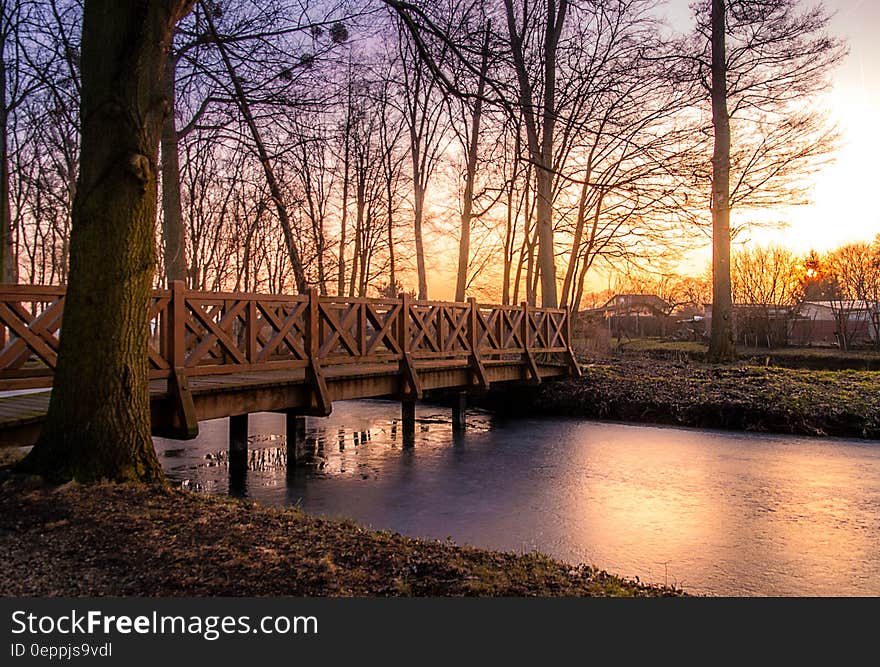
<point>719,513</point>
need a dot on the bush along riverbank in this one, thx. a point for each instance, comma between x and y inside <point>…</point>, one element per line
<point>132,540</point>
<point>737,397</point>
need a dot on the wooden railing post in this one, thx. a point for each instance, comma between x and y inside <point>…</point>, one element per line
<point>547,318</point>
<point>313,338</point>
<point>403,323</point>
<point>441,343</point>
<point>185,425</point>
<point>321,405</point>
<point>2,335</point>
<point>478,371</point>
<point>573,365</point>
<point>177,328</point>
<point>528,357</point>
<point>472,325</point>
<point>411,388</point>
<point>362,329</point>
<point>251,331</point>
<point>568,327</point>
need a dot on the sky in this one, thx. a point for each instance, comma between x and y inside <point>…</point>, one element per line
<point>842,208</point>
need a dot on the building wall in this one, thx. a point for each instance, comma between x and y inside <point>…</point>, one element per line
<point>640,326</point>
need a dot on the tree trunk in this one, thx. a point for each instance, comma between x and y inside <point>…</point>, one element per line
<point>525,251</point>
<point>389,192</point>
<point>346,180</point>
<point>464,239</point>
<point>418,214</point>
<point>98,424</point>
<point>509,233</point>
<point>316,217</point>
<point>541,148</point>
<point>343,223</point>
<point>545,171</point>
<point>360,206</point>
<point>721,342</point>
<point>173,232</point>
<point>568,286</point>
<point>544,219</point>
<point>8,257</point>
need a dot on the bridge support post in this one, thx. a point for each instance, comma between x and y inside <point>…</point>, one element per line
<point>296,437</point>
<point>408,416</point>
<point>238,433</point>
<point>459,412</point>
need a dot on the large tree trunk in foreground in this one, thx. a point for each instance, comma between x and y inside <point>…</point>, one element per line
<point>721,342</point>
<point>98,425</point>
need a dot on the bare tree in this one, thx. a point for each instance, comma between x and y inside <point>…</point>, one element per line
<point>855,268</point>
<point>391,134</point>
<point>14,88</point>
<point>537,99</point>
<point>766,276</point>
<point>274,186</point>
<point>760,62</point>
<point>46,118</point>
<point>471,143</point>
<point>426,125</point>
<point>722,346</point>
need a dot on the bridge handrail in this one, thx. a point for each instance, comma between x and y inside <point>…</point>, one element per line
<point>202,333</point>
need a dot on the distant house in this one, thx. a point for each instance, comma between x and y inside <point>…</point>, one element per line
<point>841,323</point>
<point>812,323</point>
<point>635,316</point>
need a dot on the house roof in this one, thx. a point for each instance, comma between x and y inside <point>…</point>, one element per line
<point>629,300</point>
<point>845,304</point>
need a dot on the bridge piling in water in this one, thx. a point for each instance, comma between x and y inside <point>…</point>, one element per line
<point>238,435</point>
<point>459,412</point>
<point>296,437</point>
<point>408,417</point>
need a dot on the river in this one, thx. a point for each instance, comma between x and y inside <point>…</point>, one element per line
<point>716,513</point>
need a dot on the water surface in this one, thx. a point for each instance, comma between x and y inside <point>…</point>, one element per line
<point>715,512</point>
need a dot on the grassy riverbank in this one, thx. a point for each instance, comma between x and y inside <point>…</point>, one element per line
<point>131,540</point>
<point>814,358</point>
<point>740,397</point>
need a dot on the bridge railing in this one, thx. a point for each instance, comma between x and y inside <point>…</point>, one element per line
<point>204,333</point>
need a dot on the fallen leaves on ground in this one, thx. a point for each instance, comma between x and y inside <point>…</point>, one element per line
<point>133,540</point>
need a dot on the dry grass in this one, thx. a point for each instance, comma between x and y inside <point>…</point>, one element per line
<point>740,397</point>
<point>130,540</point>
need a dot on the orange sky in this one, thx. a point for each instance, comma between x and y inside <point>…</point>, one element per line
<point>841,210</point>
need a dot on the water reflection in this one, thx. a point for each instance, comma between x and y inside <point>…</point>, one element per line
<point>716,512</point>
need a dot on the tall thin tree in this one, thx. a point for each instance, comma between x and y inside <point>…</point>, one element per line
<point>721,338</point>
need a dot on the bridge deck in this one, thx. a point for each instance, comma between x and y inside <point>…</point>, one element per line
<point>218,355</point>
<point>216,396</point>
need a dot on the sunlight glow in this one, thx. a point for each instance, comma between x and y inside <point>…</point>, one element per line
<point>842,209</point>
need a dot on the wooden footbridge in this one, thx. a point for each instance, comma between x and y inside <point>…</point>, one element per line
<point>216,355</point>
